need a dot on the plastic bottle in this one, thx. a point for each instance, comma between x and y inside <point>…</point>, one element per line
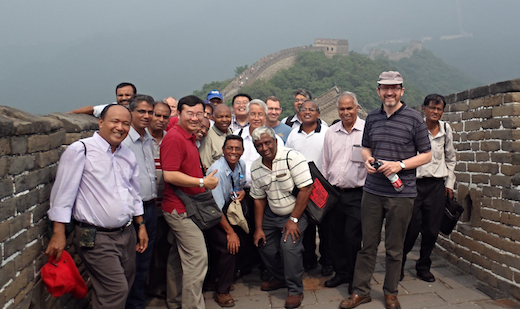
<point>394,178</point>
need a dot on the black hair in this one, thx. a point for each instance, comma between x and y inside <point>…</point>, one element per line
<point>126,84</point>
<point>210,106</point>
<point>105,110</point>
<point>138,98</point>
<point>437,98</point>
<point>233,137</point>
<point>240,95</point>
<point>190,100</point>
<point>163,103</point>
<point>302,92</point>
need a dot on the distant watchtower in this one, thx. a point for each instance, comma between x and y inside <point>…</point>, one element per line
<point>332,47</point>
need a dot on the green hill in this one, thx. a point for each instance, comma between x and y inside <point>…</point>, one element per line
<point>423,73</point>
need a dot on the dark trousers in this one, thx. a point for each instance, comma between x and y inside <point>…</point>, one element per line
<point>344,223</point>
<point>157,276</point>
<point>221,263</point>
<point>374,209</point>
<point>137,295</point>
<point>283,259</point>
<point>110,265</point>
<point>249,255</point>
<point>309,245</point>
<point>427,214</point>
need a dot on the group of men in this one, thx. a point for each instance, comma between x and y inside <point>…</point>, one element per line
<point>143,153</point>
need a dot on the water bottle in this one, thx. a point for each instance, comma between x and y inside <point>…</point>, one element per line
<point>394,178</point>
<point>238,186</point>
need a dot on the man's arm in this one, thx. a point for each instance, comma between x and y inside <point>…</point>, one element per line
<point>301,203</point>
<point>141,234</point>
<point>450,159</point>
<point>259,217</point>
<point>391,167</point>
<point>366,153</point>
<point>57,242</point>
<point>89,110</point>
<point>233,242</point>
<point>182,180</point>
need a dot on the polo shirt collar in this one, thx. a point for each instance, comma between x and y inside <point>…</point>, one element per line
<point>317,130</point>
<point>184,133</point>
<point>218,132</point>
<point>357,126</point>
<point>135,136</point>
<point>382,109</point>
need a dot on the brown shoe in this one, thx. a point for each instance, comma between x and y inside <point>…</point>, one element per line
<point>224,300</point>
<point>272,285</point>
<point>391,302</point>
<point>293,301</point>
<point>354,300</point>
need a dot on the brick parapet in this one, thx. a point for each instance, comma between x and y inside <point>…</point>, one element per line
<point>486,126</point>
<point>30,147</point>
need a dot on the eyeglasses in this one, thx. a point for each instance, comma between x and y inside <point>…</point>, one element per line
<point>433,108</point>
<point>254,115</point>
<point>312,109</point>
<point>192,114</point>
<point>390,88</point>
<point>299,100</point>
<point>274,109</point>
<point>143,111</point>
<point>240,103</point>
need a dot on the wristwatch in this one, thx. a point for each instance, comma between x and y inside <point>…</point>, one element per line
<point>141,223</point>
<point>293,219</point>
<point>201,183</point>
<point>402,165</point>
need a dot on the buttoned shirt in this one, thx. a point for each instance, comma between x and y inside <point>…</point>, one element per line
<point>443,161</point>
<point>250,154</point>
<point>158,168</point>
<point>142,148</point>
<point>310,145</point>
<point>100,188</point>
<point>99,108</point>
<point>296,123</point>
<point>211,146</point>
<point>235,125</point>
<point>342,163</point>
<point>289,169</point>
<point>222,192</point>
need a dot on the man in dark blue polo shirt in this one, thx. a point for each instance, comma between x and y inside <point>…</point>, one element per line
<point>397,136</point>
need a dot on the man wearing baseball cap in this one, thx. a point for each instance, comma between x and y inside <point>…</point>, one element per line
<point>397,136</point>
<point>215,97</point>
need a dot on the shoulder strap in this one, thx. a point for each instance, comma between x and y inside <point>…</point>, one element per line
<point>287,161</point>
<point>445,134</point>
<point>289,122</point>
<point>240,132</point>
<point>85,152</point>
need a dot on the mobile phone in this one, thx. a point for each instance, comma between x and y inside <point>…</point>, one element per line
<point>260,243</point>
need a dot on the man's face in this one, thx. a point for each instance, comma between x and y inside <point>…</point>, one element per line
<point>298,101</point>
<point>239,106</point>
<point>190,117</point>
<point>273,110</point>
<point>308,113</point>
<point>222,118</point>
<point>172,103</point>
<point>256,116</point>
<point>202,130</point>
<point>215,101</point>
<point>208,112</point>
<point>116,125</point>
<point>433,112</point>
<point>123,94</point>
<point>266,147</point>
<point>390,94</point>
<point>142,115</point>
<point>232,151</point>
<point>347,111</point>
<point>160,119</point>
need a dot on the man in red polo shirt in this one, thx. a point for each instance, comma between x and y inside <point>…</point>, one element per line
<point>187,260</point>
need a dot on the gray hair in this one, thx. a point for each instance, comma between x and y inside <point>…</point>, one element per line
<point>313,102</point>
<point>257,133</point>
<point>138,98</point>
<point>302,92</point>
<point>257,102</point>
<point>350,94</point>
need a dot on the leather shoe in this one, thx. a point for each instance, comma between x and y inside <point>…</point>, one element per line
<point>224,300</point>
<point>353,301</point>
<point>426,276</point>
<point>335,281</point>
<point>327,270</point>
<point>293,301</point>
<point>391,302</point>
<point>272,285</point>
<point>265,275</point>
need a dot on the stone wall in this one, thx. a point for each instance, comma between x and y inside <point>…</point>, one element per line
<point>30,147</point>
<point>486,123</point>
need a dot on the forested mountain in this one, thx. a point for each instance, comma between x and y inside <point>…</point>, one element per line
<point>423,73</point>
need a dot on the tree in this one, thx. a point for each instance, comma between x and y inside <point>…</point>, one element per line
<point>241,69</point>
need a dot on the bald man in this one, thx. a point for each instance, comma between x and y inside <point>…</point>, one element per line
<point>211,147</point>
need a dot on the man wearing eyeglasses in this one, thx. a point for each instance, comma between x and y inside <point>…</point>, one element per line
<point>300,96</point>
<point>308,140</point>
<point>180,161</point>
<point>273,113</point>
<point>396,135</point>
<point>140,142</point>
<point>239,117</point>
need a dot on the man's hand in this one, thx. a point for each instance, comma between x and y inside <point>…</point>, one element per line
<point>390,167</point>
<point>233,243</point>
<point>143,239</point>
<point>211,181</point>
<point>241,195</point>
<point>369,167</point>
<point>259,234</point>
<point>449,192</point>
<point>57,242</point>
<point>291,228</point>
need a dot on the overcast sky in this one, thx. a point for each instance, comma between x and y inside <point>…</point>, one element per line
<point>57,55</point>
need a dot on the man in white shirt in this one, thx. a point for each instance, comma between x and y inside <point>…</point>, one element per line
<point>124,91</point>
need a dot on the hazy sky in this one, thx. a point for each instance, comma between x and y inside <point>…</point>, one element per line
<point>57,55</point>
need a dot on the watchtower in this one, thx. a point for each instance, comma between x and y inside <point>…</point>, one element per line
<point>332,47</point>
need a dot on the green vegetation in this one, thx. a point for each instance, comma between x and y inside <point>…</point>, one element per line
<point>239,70</point>
<point>208,87</point>
<point>423,74</point>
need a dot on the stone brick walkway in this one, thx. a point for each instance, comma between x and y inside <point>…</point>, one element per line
<point>452,289</point>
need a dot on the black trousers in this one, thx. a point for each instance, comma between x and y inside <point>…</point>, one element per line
<point>427,214</point>
<point>344,223</point>
<point>309,244</point>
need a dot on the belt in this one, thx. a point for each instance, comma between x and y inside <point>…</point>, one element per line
<point>146,203</point>
<point>102,229</point>
<point>430,179</point>
<point>348,189</point>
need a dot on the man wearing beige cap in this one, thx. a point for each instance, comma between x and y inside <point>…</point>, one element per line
<point>395,136</point>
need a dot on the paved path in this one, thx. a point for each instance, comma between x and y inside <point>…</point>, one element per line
<point>452,289</point>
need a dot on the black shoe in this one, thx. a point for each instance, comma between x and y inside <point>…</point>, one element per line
<point>308,267</point>
<point>326,270</point>
<point>426,276</point>
<point>401,277</point>
<point>265,275</point>
<point>335,281</point>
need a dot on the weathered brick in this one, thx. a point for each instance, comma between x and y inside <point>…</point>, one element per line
<point>44,142</point>
<point>19,282</point>
<point>471,125</point>
<point>491,168</point>
<point>501,157</point>
<point>502,271</point>
<point>4,231</point>
<point>509,170</point>
<point>462,177</point>
<point>511,194</point>
<point>18,144</point>
<point>4,166</point>
<point>465,156</point>
<point>6,273</point>
<point>497,180</point>
<point>5,147</point>
<point>454,117</point>
<point>493,101</point>
<point>512,109</point>
<point>482,156</point>
<point>511,122</point>
<point>476,103</point>
<point>23,202</point>
<point>475,146</point>
<point>512,219</point>
<point>483,113</point>
<point>515,134</point>
<point>40,211</point>
<point>460,167</point>
<point>481,179</point>
<point>6,187</point>
<point>502,134</point>
<point>463,253</point>
<point>491,124</point>
<point>45,158</point>
<point>468,115</point>
<point>19,164</point>
<point>512,97</point>
<point>482,91</point>
<point>19,222</point>
<point>8,208</point>
<point>31,180</point>
<point>31,253</point>
<point>459,107</point>
<point>474,246</point>
<point>481,261</point>
<point>511,146</point>
<point>457,127</point>
<point>476,136</point>
<point>14,245</point>
<point>462,146</point>
<point>491,191</point>
<point>456,137</point>
<point>487,135</point>
<point>490,146</point>
<point>45,193</point>
<point>38,230</point>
